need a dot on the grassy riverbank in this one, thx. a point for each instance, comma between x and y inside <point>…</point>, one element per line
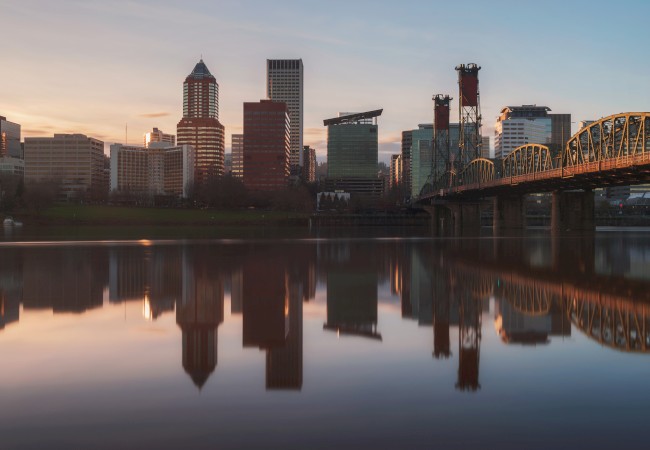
<point>119,215</point>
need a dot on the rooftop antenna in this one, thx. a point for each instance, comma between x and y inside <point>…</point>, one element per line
<point>126,134</point>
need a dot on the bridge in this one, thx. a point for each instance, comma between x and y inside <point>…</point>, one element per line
<point>613,151</point>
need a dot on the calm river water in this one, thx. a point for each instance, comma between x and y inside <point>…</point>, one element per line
<point>530,342</point>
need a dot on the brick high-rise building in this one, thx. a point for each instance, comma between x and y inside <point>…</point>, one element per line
<point>284,83</point>
<point>200,126</point>
<point>266,145</point>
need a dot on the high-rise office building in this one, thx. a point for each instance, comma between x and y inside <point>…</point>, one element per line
<point>309,164</point>
<point>74,161</point>
<point>421,158</point>
<point>156,170</point>
<point>421,165</point>
<point>395,170</point>
<point>407,141</point>
<point>352,153</point>
<point>10,139</point>
<point>12,166</point>
<point>520,125</point>
<point>200,126</point>
<point>237,155</point>
<point>266,145</point>
<point>158,136</point>
<point>485,147</point>
<point>560,130</point>
<point>284,83</point>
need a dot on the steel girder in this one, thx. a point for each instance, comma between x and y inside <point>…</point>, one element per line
<point>613,137</point>
<point>478,171</point>
<point>527,159</point>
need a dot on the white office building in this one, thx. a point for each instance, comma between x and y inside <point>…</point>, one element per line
<point>521,125</point>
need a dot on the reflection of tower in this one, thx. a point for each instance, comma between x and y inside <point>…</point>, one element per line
<point>421,289</point>
<point>11,285</point>
<point>67,279</point>
<point>405,295</point>
<point>309,283</point>
<point>352,303</point>
<point>127,273</point>
<point>441,341</point>
<point>284,364</point>
<point>236,283</point>
<point>469,113</point>
<point>469,341</point>
<point>441,156</point>
<point>165,280</point>
<point>199,314</point>
<point>265,304</point>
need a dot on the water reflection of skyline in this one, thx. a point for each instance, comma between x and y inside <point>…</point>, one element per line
<point>537,289</point>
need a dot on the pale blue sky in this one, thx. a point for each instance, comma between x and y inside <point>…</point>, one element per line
<point>92,66</point>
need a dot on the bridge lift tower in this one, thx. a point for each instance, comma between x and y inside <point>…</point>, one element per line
<point>469,115</point>
<point>442,158</point>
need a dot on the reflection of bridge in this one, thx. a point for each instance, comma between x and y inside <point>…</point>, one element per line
<point>532,302</point>
<point>612,151</point>
<point>597,305</point>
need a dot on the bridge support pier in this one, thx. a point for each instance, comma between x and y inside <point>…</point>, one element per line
<point>573,211</point>
<point>509,213</point>
<point>455,219</point>
<point>466,219</point>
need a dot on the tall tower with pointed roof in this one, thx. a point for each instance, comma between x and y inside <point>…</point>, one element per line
<point>200,126</point>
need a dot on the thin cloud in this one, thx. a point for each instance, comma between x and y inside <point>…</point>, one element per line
<point>156,114</point>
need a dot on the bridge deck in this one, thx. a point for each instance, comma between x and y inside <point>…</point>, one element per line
<point>627,170</point>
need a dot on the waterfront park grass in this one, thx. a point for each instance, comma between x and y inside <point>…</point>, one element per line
<point>121,215</point>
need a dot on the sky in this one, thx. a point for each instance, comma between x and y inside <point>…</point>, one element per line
<point>98,67</point>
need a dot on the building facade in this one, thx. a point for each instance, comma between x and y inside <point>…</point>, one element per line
<point>284,83</point>
<point>560,130</point>
<point>407,141</point>
<point>237,155</point>
<point>158,136</point>
<point>10,139</point>
<point>75,162</point>
<point>266,145</point>
<point>12,166</point>
<point>352,153</point>
<point>395,171</point>
<point>485,147</point>
<point>155,170</point>
<point>309,164</point>
<point>521,125</point>
<point>421,158</point>
<point>200,126</point>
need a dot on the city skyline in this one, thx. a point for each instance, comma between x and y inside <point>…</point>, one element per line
<point>355,58</point>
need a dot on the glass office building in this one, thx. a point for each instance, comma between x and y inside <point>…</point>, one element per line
<point>352,153</point>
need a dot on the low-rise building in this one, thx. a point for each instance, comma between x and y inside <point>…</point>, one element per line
<point>156,170</point>
<point>75,162</point>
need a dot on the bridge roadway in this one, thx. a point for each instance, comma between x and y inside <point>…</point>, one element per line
<point>614,151</point>
<point>623,171</point>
